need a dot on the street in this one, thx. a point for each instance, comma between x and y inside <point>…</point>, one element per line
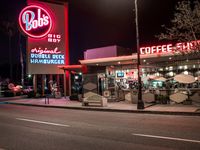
<point>40,128</point>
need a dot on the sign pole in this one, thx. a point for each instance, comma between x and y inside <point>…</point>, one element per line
<point>35,84</point>
<point>64,83</point>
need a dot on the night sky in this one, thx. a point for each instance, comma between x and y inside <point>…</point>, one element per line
<point>96,23</point>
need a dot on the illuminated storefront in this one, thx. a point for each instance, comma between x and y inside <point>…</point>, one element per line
<point>46,26</point>
<point>117,76</point>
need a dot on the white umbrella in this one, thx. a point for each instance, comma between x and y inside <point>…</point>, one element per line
<point>152,77</point>
<point>161,79</point>
<point>183,78</point>
<point>198,78</point>
<point>178,97</point>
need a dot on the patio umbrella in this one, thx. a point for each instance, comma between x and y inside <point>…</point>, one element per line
<point>183,78</point>
<point>178,97</point>
<point>152,77</point>
<point>161,79</point>
<point>198,78</point>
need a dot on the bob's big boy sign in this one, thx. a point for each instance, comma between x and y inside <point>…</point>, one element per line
<point>35,21</point>
<point>46,27</point>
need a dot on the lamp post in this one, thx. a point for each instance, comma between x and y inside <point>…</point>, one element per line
<point>140,103</point>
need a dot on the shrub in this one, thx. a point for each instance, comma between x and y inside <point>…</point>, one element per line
<point>18,93</point>
<point>31,94</point>
<point>162,99</point>
<point>9,94</point>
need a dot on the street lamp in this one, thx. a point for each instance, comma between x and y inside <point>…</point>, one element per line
<point>140,103</point>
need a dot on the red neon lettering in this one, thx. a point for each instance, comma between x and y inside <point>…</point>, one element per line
<point>45,51</point>
<point>169,47</point>
<point>158,48</point>
<point>142,50</point>
<point>153,49</point>
<point>179,47</point>
<point>163,48</point>
<point>55,38</point>
<point>185,46</point>
<point>148,50</point>
<point>49,35</point>
<point>193,45</point>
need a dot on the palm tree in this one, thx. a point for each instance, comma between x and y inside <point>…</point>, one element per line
<point>9,28</point>
<point>21,60</point>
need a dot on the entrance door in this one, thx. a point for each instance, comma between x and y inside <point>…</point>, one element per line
<point>101,83</point>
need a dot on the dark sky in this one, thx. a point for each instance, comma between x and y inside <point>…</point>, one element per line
<point>97,23</point>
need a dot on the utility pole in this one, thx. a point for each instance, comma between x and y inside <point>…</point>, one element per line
<point>140,103</point>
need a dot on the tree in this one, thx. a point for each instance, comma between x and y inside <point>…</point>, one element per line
<point>185,26</point>
<point>9,29</point>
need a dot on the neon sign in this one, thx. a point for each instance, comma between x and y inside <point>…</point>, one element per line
<point>46,56</point>
<point>54,38</point>
<point>156,49</point>
<point>46,28</point>
<point>45,51</point>
<point>35,21</point>
<point>182,46</point>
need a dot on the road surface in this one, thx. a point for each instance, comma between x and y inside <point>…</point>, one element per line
<point>39,128</point>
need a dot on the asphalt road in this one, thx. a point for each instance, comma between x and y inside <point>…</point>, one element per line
<point>38,128</point>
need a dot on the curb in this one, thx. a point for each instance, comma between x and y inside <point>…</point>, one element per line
<point>3,99</point>
<point>111,110</point>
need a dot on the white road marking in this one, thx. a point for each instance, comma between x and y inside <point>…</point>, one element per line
<point>167,138</point>
<point>43,122</point>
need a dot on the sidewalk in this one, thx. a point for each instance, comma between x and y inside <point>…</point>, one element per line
<point>122,106</point>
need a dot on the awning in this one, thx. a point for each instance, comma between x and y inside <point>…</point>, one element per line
<point>76,68</point>
<point>109,60</point>
<point>130,59</point>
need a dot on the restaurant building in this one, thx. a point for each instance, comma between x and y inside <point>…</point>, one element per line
<point>112,73</point>
<point>169,72</point>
